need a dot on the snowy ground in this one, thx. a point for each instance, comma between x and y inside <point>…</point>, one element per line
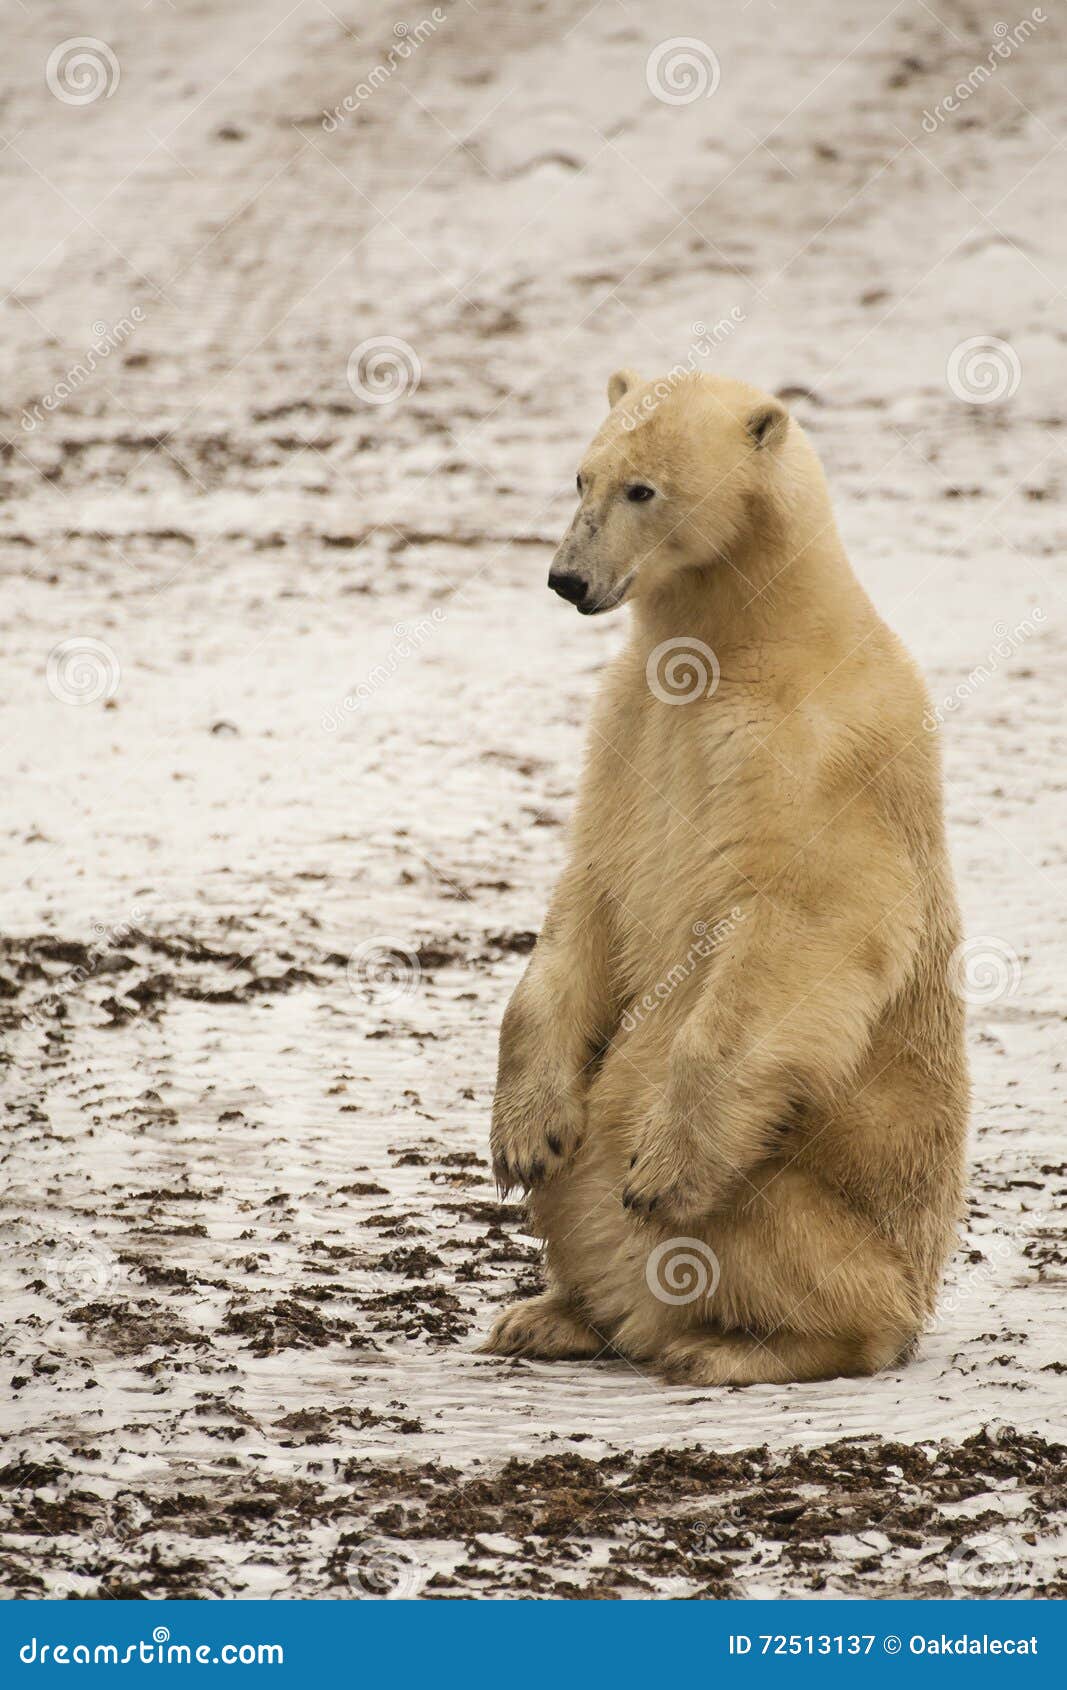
<point>247,1236</point>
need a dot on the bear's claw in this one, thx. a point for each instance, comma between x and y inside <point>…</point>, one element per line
<point>523,1175</point>
<point>651,1190</point>
<point>526,1152</point>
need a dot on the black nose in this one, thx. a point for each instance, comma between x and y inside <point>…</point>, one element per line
<point>569,587</point>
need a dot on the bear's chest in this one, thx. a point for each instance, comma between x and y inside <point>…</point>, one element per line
<point>673,795</point>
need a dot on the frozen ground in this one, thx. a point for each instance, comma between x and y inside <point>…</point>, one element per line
<point>249,1240</point>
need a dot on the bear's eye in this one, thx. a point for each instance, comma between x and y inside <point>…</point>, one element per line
<point>579,483</point>
<point>638,493</point>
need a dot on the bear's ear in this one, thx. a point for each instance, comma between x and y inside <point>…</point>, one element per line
<point>768,423</point>
<point>620,384</point>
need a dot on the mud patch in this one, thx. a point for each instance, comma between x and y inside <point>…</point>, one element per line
<point>852,1518</point>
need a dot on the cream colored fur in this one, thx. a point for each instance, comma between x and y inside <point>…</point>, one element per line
<point>737,1028</point>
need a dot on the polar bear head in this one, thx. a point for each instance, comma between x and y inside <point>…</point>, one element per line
<point>673,482</point>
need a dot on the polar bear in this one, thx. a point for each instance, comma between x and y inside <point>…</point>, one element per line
<point>732,1078</point>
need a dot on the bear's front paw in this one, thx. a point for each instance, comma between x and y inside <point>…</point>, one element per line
<point>665,1181</point>
<point>536,1131</point>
